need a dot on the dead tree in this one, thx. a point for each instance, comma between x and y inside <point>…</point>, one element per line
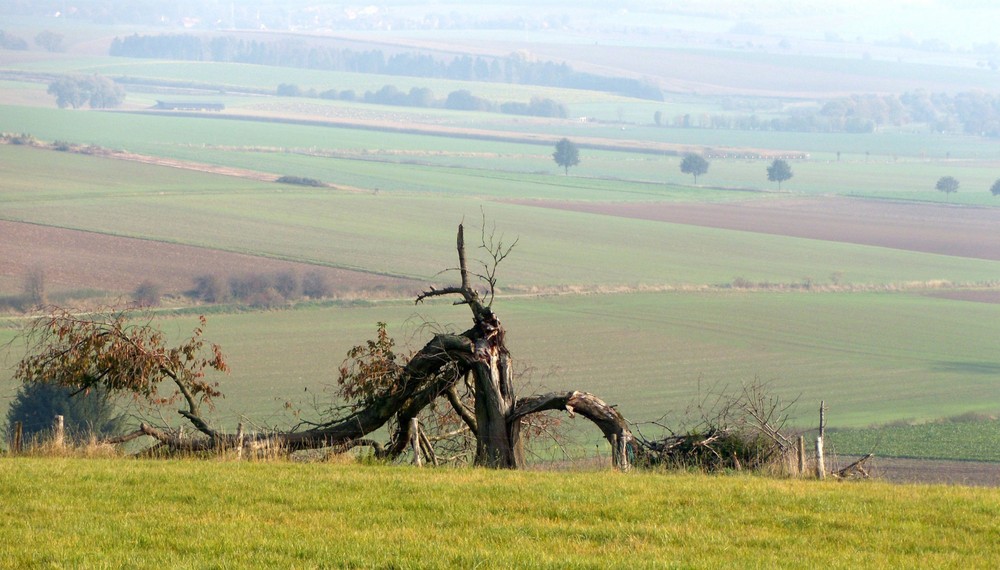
<point>127,358</point>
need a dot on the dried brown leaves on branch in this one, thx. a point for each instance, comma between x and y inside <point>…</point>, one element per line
<point>371,371</point>
<point>114,349</point>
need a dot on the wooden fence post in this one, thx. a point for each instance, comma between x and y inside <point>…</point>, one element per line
<point>415,442</point>
<point>820,461</point>
<point>239,441</point>
<point>58,433</point>
<point>17,445</point>
<point>802,455</point>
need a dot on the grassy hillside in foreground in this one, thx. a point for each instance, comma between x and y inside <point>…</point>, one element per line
<point>163,514</point>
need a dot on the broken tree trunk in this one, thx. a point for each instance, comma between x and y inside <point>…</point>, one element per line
<point>433,372</point>
<point>611,423</point>
<point>498,439</point>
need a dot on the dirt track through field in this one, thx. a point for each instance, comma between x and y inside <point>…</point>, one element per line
<point>942,229</point>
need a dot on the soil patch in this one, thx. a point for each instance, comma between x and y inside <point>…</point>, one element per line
<point>904,470</point>
<point>968,295</point>
<point>928,228</point>
<point>73,259</point>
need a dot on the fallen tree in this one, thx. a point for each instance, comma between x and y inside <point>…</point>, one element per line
<point>468,374</point>
<point>111,350</point>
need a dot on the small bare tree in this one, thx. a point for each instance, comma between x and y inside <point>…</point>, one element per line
<point>34,288</point>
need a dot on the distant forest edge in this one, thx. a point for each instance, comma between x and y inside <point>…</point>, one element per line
<point>514,68</point>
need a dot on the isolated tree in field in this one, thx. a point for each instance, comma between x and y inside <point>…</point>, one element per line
<point>566,154</point>
<point>779,171</point>
<point>995,189</point>
<point>694,164</point>
<point>34,291</point>
<point>468,373</point>
<point>947,184</point>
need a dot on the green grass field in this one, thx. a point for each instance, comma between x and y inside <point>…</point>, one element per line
<point>155,514</point>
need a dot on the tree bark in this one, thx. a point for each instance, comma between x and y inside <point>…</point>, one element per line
<point>625,447</point>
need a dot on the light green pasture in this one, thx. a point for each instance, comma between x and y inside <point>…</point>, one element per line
<point>969,438</point>
<point>37,176</point>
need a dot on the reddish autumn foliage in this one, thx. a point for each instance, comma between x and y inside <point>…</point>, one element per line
<point>112,350</point>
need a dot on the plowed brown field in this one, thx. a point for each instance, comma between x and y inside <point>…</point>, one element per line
<point>74,259</point>
<point>929,228</point>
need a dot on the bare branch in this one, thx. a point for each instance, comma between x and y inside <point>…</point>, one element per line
<point>463,412</point>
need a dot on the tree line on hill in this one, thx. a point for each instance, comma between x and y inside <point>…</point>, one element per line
<point>459,100</point>
<point>515,68</point>
<point>46,39</point>
<point>970,112</point>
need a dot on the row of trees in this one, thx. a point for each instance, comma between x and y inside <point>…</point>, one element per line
<point>780,171</point>
<point>460,100</point>
<point>46,39</point>
<point>514,68</point>
<point>971,112</point>
<point>950,184</point>
<point>261,289</point>
<point>94,90</point>
<point>567,154</point>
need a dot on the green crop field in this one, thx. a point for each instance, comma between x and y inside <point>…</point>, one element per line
<point>155,514</point>
<point>971,437</point>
